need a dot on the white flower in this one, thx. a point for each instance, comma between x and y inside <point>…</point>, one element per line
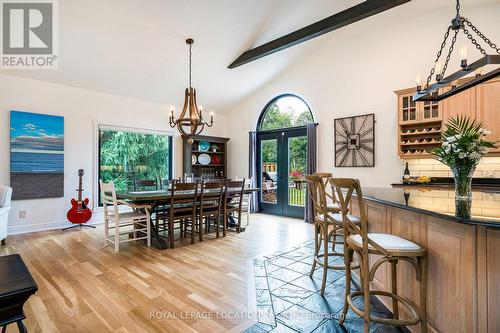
<point>462,155</point>
<point>484,131</point>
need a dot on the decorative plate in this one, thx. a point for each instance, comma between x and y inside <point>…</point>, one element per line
<point>215,159</point>
<point>204,159</point>
<point>193,159</point>
<point>204,146</point>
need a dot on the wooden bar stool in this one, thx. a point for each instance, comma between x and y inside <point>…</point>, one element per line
<point>391,248</point>
<point>328,224</point>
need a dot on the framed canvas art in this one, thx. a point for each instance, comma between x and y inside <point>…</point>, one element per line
<point>354,139</point>
<point>36,155</point>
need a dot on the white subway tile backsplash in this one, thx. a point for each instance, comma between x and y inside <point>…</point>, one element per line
<point>433,168</point>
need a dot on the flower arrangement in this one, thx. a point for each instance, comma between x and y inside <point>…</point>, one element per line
<point>463,146</point>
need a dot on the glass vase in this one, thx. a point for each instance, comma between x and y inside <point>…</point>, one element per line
<point>462,176</point>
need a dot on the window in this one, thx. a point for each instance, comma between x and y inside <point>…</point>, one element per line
<point>126,155</point>
<point>285,111</point>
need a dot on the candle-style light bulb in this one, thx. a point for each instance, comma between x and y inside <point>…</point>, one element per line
<point>463,56</point>
<point>437,69</point>
<point>418,80</point>
<point>212,116</point>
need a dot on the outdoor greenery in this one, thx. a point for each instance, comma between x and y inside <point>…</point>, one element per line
<point>276,118</point>
<point>127,156</point>
<point>287,112</point>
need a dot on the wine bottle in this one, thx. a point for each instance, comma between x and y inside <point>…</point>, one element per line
<point>406,174</point>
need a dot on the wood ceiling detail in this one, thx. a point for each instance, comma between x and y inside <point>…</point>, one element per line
<point>356,13</point>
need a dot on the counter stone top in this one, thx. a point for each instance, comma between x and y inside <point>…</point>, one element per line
<point>439,203</point>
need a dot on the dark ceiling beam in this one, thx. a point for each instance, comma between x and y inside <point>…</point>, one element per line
<point>336,21</point>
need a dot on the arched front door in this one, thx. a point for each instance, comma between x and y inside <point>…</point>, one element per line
<point>282,156</point>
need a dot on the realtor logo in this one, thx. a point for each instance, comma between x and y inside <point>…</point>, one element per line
<point>28,34</point>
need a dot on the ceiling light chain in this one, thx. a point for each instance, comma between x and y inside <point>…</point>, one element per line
<point>190,61</point>
<point>443,44</point>
<point>480,34</point>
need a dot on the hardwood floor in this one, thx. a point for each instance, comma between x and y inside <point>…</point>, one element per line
<point>85,287</point>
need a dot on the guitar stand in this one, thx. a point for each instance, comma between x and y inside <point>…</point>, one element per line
<point>81,225</point>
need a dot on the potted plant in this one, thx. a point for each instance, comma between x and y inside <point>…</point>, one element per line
<point>463,145</point>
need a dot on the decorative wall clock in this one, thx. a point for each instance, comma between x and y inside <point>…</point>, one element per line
<point>355,141</point>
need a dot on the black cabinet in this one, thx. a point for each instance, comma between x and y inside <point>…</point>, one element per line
<point>205,156</point>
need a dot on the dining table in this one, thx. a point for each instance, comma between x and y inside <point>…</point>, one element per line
<point>157,199</point>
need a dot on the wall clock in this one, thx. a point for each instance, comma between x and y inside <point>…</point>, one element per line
<point>355,141</point>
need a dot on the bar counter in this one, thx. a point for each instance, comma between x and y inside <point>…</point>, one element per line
<point>463,254</point>
<point>440,203</point>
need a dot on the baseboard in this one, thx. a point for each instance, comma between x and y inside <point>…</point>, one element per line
<point>28,228</point>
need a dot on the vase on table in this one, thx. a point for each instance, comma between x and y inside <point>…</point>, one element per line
<point>462,175</point>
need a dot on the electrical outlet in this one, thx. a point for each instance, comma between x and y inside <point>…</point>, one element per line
<point>22,214</point>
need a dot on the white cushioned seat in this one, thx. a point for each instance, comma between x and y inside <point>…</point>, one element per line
<point>387,241</point>
<point>333,206</point>
<point>338,218</point>
<point>354,219</point>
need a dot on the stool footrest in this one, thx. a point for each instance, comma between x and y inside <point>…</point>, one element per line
<point>414,316</point>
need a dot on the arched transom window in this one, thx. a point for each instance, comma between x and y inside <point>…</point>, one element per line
<point>285,111</point>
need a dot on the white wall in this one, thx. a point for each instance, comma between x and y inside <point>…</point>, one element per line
<point>81,110</point>
<point>355,71</point>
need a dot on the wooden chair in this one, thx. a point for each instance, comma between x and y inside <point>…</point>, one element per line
<point>327,224</point>
<point>245,207</point>
<point>181,210</point>
<point>233,201</point>
<point>140,222</point>
<point>391,249</point>
<point>211,196</point>
<point>140,184</point>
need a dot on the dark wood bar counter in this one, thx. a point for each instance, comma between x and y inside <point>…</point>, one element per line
<point>463,266</point>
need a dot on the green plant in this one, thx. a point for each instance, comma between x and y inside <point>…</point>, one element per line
<point>463,143</point>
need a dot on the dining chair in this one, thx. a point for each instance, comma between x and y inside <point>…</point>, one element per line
<point>181,210</point>
<point>328,225</point>
<point>141,184</point>
<point>210,203</point>
<point>233,201</point>
<point>245,207</point>
<point>136,224</point>
<point>389,248</point>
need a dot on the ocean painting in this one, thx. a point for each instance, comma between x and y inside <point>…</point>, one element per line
<point>36,155</point>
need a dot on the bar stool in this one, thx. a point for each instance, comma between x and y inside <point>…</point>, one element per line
<point>328,224</point>
<point>391,248</point>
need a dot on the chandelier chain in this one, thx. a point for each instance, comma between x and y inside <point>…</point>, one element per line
<point>458,7</point>
<point>480,34</point>
<point>443,44</point>
<point>450,51</point>
<point>190,56</point>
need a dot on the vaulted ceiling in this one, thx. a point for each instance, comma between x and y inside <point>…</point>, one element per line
<point>137,48</point>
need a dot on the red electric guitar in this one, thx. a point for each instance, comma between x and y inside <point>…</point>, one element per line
<point>79,212</point>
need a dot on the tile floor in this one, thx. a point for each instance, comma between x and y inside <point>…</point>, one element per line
<point>289,301</point>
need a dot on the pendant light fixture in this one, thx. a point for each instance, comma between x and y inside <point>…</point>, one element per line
<point>432,92</point>
<point>190,121</point>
